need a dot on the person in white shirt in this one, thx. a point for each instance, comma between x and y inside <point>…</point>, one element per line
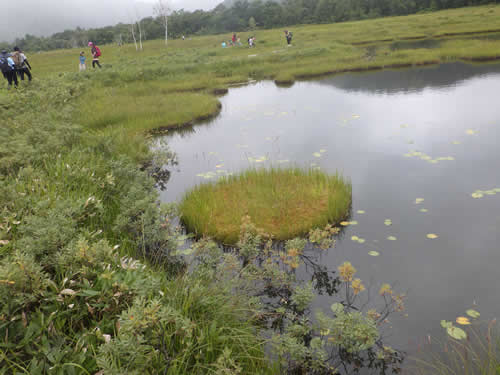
<point>22,64</point>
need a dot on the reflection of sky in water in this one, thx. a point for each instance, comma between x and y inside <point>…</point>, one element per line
<point>443,277</point>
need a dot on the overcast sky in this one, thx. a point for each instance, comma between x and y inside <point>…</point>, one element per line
<point>49,16</point>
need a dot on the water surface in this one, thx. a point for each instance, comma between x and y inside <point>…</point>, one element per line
<point>367,124</point>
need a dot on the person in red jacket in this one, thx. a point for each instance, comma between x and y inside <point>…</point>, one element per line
<point>96,53</point>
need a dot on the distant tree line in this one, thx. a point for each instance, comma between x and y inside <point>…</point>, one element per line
<point>242,15</point>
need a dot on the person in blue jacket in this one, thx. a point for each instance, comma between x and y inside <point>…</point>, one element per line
<point>8,68</point>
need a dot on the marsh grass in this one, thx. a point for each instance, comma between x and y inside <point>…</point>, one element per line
<point>141,108</point>
<point>479,354</point>
<point>284,202</point>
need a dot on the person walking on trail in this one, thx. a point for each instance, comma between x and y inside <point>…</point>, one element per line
<point>8,68</point>
<point>82,65</point>
<point>233,39</point>
<point>288,36</point>
<point>22,64</point>
<point>96,53</point>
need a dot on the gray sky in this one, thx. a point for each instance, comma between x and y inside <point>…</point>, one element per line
<point>49,16</point>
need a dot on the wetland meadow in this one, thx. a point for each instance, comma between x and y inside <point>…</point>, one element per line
<point>383,134</point>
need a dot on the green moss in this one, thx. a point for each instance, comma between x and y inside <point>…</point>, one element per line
<point>283,202</point>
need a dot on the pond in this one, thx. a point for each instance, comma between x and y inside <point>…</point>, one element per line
<point>415,143</point>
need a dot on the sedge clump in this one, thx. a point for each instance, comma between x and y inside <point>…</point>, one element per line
<point>284,203</point>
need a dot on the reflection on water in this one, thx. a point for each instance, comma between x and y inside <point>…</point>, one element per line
<point>367,124</point>
<point>411,80</point>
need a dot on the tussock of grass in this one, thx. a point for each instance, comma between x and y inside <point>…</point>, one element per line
<point>285,203</point>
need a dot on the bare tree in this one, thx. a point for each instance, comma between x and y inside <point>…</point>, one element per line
<point>140,33</point>
<point>139,26</point>
<point>162,9</point>
<point>132,27</point>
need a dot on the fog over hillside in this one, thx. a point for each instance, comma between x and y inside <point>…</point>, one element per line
<point>46,17</point>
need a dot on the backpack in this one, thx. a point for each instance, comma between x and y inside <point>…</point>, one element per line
<point>4,64</point>
<point>97,51</point>
<point>16,57</point>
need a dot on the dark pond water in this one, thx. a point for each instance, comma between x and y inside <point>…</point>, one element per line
<point>429,133</point>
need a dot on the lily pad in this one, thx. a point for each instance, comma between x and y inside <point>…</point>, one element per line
<point>424,210</point>
<point>361,212</point>
<point>344,223</point>
<point>456,333</point>
<point>388,222</point>
<point>432,236</point>
<point>317,154</point>
<point>373,253</point>
<point>419,200</point>
<point>354,238</point>
<point>473,313</point>
<point>471,132</point>
<point>392,238</point>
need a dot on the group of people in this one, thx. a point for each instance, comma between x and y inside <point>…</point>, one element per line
<point>251,40</point>
<point>13,64</point>
<point>95,52</point>
<point>234,41</point>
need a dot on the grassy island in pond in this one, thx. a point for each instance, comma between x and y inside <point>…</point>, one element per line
<point>284,202</point>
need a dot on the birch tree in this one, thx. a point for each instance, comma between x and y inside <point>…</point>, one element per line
<point>139,27</point>
<point>132,28</point>
<point>163,9</point>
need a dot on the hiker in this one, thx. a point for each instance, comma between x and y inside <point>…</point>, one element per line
<point>288,35</point>
<point>233,39</point>
<point>251,41</point>
<point>96,53</point>
<point>22,64</point>
<point>82,62</point>
<point>8,68</point>
<point>224,45</point>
